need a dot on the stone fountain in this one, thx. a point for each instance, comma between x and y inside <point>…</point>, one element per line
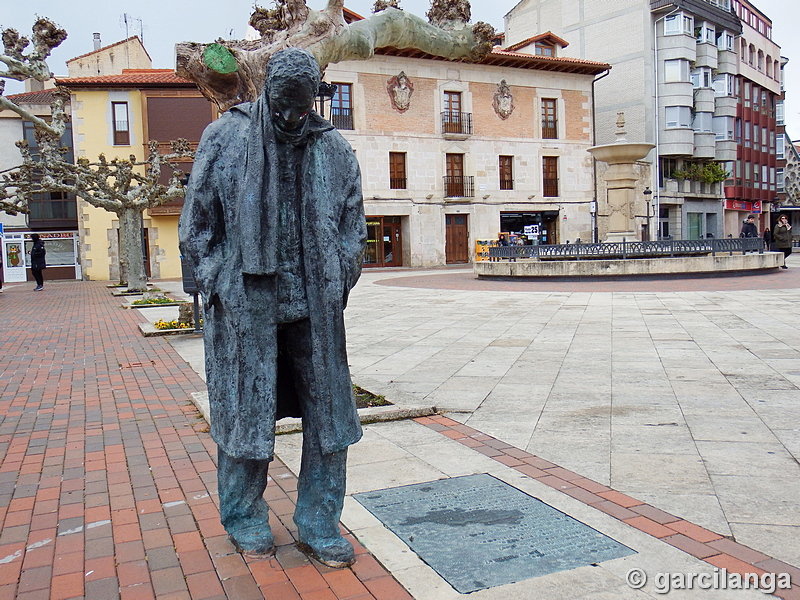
<point>621,180</point>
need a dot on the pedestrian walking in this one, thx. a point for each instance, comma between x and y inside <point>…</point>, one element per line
<point>783,238</point>
<point>38,261</point>
<point>749,229</point>
<point>767,239</point>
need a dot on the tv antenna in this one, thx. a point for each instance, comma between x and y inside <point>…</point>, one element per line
<point>132,24</point>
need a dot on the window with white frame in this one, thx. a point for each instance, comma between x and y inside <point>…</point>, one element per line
<point>747,133</point>
<point>764,138</point>
<point>724,85</point>
<point>779,180</point>
<point>780,147</point>
<point>676,70</point>
<point>724,40</point>
<point>703,122</point>
<point>764,176</point>
<point>779,112</point>
<point>723,128</point>
<point>702,77</point>
<point>678,23</point>
<point>121,128</point>
<point>705,33</point>
<point>677,116</point>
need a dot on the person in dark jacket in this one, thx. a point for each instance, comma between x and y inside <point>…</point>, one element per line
<point>274,230</point>
<point>767,239</point>
<point>783,238</point>
<point>749,229</point>
<point>38,261</point>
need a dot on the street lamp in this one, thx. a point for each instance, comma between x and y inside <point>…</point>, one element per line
<point>325,93</point>
<point>647,193</point>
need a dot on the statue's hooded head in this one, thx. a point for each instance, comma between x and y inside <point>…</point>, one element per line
<point>292,82</point>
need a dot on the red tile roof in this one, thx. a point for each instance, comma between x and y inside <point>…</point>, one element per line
<point>547,35</point>
<point>38,97</point>
<point>506,58</point>
<point>134,37</point>
<point>497,51</point>
<point>130,78</point>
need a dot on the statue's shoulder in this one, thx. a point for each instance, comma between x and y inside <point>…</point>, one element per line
<point>234,121</point>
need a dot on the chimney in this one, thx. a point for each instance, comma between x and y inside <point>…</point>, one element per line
<point>97,44</point>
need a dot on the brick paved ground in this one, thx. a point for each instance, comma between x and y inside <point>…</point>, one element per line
<point>107,474</point>
<point>464,279</point>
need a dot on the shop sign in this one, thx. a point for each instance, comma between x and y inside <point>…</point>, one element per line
<point>756,206</point>
<point>532,230</point>
<point>740,205</point>
<point>62,235</point>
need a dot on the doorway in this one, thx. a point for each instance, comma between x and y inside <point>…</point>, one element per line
<point>456,248</point>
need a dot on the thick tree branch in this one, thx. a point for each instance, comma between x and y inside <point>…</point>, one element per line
<point>230,72</point>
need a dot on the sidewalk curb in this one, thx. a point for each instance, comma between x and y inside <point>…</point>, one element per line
<point>156,305</point>
<point>374,414</point>
<point>149,330</point>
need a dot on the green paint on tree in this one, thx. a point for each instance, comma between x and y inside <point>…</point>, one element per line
<point>218,58</point>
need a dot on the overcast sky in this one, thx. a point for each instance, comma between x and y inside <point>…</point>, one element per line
<point>164,23</point>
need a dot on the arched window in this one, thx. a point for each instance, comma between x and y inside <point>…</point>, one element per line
<point>760,60</point>
<point>744,51</point>
<point>752,58</point>
<point>768,66</point>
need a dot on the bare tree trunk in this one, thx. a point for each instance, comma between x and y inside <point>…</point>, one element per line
<point>131,251</point>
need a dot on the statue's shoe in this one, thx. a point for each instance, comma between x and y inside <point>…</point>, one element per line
<point>334,552</point>
<point>253,541</point>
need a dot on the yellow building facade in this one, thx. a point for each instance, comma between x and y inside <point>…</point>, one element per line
<point>117,116</point>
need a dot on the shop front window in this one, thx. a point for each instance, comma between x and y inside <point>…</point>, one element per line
<point>384,242</point>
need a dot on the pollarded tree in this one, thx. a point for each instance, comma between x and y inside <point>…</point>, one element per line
<point>20,66</point>
<point>230,72</point>
<point>126,187</point>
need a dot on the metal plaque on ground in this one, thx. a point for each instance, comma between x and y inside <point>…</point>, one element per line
<point>478,532</point>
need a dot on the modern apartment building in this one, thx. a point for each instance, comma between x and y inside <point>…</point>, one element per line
<point>681,78</point>
<point>759,119</point>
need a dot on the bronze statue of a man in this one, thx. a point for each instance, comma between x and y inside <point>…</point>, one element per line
<point>274,230</point>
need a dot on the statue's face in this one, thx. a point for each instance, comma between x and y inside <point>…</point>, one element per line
<point>291,101</point>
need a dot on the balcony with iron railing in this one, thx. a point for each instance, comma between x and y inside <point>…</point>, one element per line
<point>459,186</point>
<point>342,118</point>
<point>457,123</point>
<point>550,187</point>
<point>397,183</point>
<point>549,129</point>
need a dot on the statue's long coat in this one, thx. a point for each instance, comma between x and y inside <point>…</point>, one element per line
<point>231,193</point>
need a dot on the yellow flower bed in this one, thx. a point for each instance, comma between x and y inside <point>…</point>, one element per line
<point>162,324</point>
